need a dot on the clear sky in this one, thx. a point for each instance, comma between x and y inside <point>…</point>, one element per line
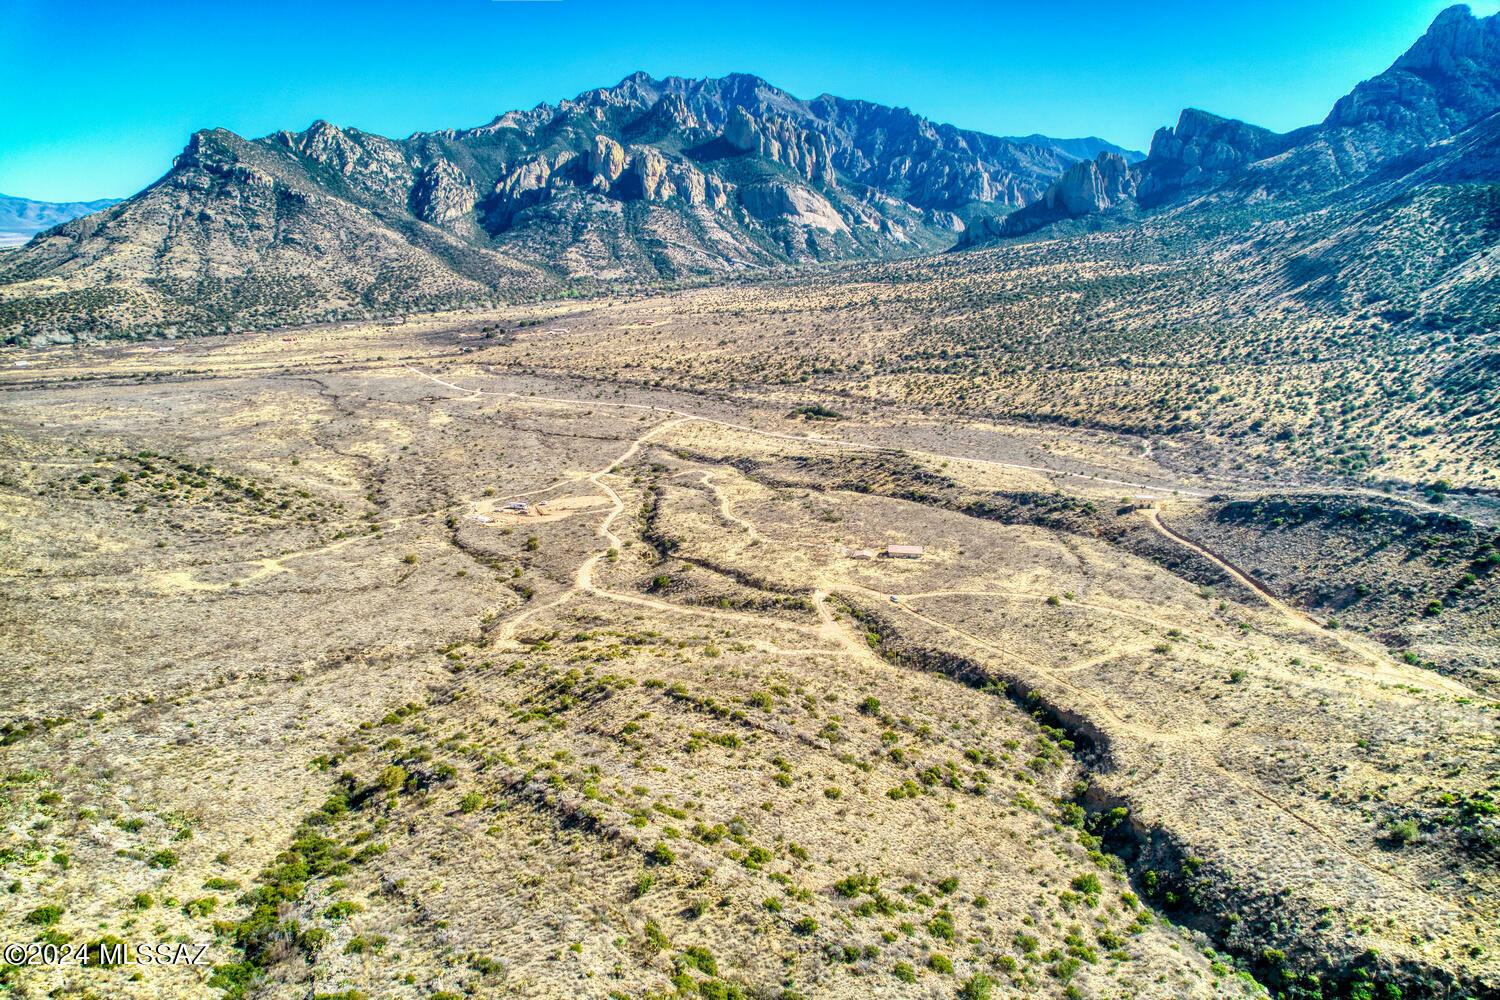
<point>99,96</point>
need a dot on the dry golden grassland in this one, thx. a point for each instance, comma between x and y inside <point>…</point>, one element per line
<point>285,678</point>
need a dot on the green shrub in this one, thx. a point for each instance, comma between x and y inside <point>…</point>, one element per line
<point>940,963</point>
<point>700,958</point>
<point>102,952</point>
<point>714,989</point>
<point>44,916</point>
<point>977,987</point>
<point>1088,884</point>
<point>312,939</point>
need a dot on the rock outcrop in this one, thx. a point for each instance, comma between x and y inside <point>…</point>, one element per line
<point>607,158</point>
<point>1203,151</point>
<point>1087,187</point>
<point>1092,186</point>
<point>651,172</point>
<point>781,201</point>
<point>780,141</point>
<point>442,194</point>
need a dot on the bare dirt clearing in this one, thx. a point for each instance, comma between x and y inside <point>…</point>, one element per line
<point>286,676</point>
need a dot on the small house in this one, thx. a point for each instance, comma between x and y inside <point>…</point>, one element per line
<point>861,554</point>
<point>903,551</point>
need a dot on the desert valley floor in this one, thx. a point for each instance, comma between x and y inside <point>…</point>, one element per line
<point>290,678</point>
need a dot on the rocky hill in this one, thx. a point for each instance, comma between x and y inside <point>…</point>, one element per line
<point>646,179</point>
<point>1445,85</point>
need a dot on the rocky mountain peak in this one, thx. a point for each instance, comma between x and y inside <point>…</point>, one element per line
<point>1198,133</point>
<point>672,111</point>
<point>1093,185</point>
<point>1444,83</point>
<point>1456,39</point>
<point>1203,150</point>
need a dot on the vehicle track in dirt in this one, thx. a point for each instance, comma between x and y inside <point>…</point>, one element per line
<point>830,629</point>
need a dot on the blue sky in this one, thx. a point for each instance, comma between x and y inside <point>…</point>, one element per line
<point>101,96</point>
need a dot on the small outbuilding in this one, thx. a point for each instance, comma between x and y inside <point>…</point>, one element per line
<point>903,551</point>
<point>861,554</point>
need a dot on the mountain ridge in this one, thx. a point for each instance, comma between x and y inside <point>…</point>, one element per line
<point>648,179</point>
<point>670,179</point>
<point>1446,83</point>
<point>23,218</point>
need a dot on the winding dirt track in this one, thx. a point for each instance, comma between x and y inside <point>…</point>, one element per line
<point>1152,738</point>
<point>1386,669</point>
<point>830,630</point>
<point>730,515</point>
<point>809,438</point>
<point>583,577</point>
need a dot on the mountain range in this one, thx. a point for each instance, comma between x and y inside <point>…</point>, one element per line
<point>1434,101</point>
<point>653,180</point>
<point>646,179</point>
<point>23,218</point>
